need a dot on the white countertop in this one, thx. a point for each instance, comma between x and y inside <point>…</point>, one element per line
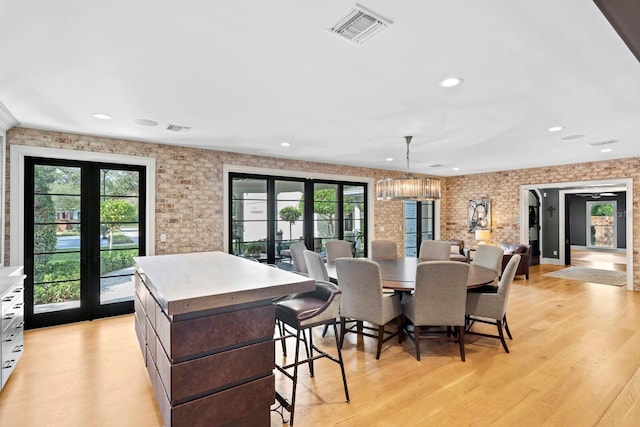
<point>184,283</point>
<point>9,276</point>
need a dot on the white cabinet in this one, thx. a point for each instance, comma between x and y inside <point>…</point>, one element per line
<point>12,320</point>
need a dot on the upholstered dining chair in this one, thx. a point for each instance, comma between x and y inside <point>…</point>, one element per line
<point>384,249</point>
<point>490,257</point>
<point>299,314</point>
<point>435,250</point>
<point>439,299</point>
<point>296,250</point>
<point>337,249</point>
<point>364,301</point>
<point>315,266</point>
<point>491,307</point>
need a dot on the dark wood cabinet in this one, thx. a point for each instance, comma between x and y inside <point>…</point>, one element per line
<point>207,341</point>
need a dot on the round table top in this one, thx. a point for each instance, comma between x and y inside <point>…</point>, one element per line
<point>400,273</point>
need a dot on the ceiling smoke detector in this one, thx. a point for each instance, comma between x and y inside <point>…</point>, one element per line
<point>359,24</point>
<point>176,128</point>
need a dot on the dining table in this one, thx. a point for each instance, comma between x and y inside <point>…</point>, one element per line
<point>399,274</point>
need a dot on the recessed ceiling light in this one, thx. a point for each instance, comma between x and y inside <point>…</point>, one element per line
<point>285,144</point>
<point>456,169</point>
<point>389,159</point>
<point>451,82</point>
<point>555,128</point>
<point>606,150</point>
<point>101,116</point>
<point>146,122</point>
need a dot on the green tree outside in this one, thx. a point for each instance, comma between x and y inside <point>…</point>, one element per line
<point>44,232</point>
<point>325,206</point>
<point>116,211</point>
<point>291,214</point>
<point>602,210</point>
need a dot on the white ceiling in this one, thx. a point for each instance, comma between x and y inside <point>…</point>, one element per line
<point>247,75</point>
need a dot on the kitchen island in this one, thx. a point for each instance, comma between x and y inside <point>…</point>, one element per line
<point>205,325</point>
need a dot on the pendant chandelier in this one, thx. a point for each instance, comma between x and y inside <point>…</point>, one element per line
<point>408,187</point>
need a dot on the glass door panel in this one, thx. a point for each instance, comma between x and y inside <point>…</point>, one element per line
<point>249,214</point>
<point>601,224</point>
<point>325,210</point>
<point>56,238</point>
<point>289,214</point>
<point>354,220</point>
<point>119,234</point>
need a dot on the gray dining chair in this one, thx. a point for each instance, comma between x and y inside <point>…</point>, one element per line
<point>364,301</point>
<point>435,250</point>
<point>491,307</point>
<point>439,299</point>
<point>337,249</point>
<point>296,250</point>
<point>315,266</point>
<point>384,249</point>
<point>490,257</point>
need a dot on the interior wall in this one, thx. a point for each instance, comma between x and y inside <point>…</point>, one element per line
<point>189,190</point>
<point>189,186</point>
<point>503,188</point>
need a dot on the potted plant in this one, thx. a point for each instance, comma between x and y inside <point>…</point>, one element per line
<point>253,249</point>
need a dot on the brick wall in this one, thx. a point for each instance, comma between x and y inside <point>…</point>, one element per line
<point>189,194</point>
<point>503,188</point>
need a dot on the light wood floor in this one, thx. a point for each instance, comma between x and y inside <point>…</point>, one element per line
<point>574,362</point>
<point>603,260</point>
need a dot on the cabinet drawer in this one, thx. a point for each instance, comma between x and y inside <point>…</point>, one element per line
<point>10,316</point>
<point>216,332</point>
<point>246,401</point>
<point>11,298</point>
<point>207,374</point>
<point>12,347</point>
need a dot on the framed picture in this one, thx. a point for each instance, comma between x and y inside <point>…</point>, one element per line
<point>479,215</point>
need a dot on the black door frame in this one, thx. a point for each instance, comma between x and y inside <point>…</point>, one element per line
<point>90,307</point>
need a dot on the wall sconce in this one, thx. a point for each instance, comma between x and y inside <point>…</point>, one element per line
<point>483,236</point>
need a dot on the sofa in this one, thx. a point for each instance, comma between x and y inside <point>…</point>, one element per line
<point>457,250</point>
<point>525,256</point>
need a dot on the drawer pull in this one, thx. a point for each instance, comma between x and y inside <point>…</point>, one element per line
<point>8,298</point>
<point>17,290</point>
<point>8,316</point>
<point>17,349</point>
<point>20,325</point>
<point>18,305</point>
<point>9,338</point>
<point>8,364</point>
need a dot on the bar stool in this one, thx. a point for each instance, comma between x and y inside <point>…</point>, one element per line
<point>301,313</point>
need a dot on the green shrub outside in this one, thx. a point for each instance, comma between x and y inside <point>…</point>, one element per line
<point>116,260</point>
<point>65,275</point>
<point>120,239</point>
<point>48,293</point>
<point>62,277</point>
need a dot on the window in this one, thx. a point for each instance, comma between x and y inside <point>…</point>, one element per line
<point>419,225</point>
<point>268,214</point>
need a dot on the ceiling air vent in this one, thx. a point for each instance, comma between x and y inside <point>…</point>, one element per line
<point>176,128</point>
<point>359,24</point>
<point>437,165</point>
